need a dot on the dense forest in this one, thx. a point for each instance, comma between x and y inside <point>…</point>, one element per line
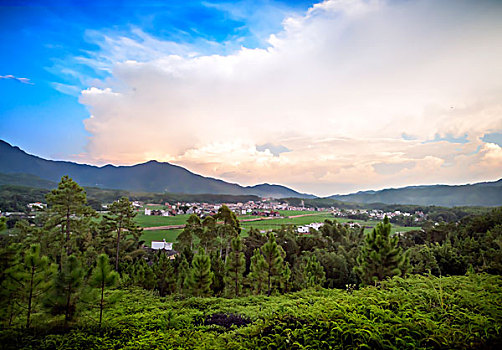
<point>74,279</point>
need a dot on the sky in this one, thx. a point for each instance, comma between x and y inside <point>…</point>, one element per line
<point>324,97</point>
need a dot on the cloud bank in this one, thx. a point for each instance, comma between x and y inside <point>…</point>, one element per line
<point>349,95</point>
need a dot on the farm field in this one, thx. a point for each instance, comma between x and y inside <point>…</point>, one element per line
<point>262,224</point>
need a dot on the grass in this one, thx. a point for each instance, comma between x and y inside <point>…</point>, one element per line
<point>159,235</point>
<point>153,220</point>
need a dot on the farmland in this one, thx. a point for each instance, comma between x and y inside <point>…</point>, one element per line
<point>293,217</point>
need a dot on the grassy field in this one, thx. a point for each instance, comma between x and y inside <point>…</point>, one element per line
<point>263,225</point>
<point>153,220</point>
<point>159,235</point>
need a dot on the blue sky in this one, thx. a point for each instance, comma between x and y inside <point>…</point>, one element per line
<point>40,40</point>
<point>325,97</point>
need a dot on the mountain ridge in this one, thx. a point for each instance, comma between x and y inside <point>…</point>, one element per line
<point>150,176</point>
<point>487,193</point>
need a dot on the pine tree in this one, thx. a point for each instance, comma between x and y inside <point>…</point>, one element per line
<point>273,262</point>
<point>29,280</point>
<point>9,261</point>
<point>183,272</point>
<point>218,269</point>
<point>164,273</point>
<point>234,268</point>
<point>200,278</point>
<point>102,276</point>
<point>257,277</point>
<point>143,275</point>
<point>68,209</point>
<point>380,256</point>
<point>314,273</point>
<point>286,278</point>
<point>64,294</point>
<point>208,234</point>
<point>120,218</point>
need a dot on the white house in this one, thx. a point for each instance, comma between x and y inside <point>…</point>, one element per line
<point>306,228</point>
<point>162,245</point>
<point>148,211</point>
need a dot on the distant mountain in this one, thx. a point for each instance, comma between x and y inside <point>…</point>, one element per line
<point>478,194</point>
<point>151,176</point>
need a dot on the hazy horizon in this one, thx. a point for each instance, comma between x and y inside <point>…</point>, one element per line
<point>326,98</point>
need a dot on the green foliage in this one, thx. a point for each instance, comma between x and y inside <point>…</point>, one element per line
<point>26,283</point>
<point>380,256</point>
<point>200,278</point>
<point>420,312</point>
<point>273,255</point>
<point>63,296</point>
<point>102,277</point>
<point>119,219</point>
<point>314,272</point>
<point>257,278</point>
<point>234,268</point>
<point>66,209</point>
<point>164,273</point>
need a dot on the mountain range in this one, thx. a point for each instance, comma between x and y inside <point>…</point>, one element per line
<point>151,176</point>
<point>478,194</point>
<point>20,168</point>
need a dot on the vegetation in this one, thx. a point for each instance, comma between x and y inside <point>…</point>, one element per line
<point>225,289</point>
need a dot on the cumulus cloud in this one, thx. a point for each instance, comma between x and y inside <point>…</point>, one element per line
<point>20,80</point>
<point>362,94</point>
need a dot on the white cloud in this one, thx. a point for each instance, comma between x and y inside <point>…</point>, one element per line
<point>338,87</point>
<point>20,80</point>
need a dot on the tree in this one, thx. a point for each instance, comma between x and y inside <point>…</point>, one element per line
<point>273,261</point>
<point>164,272</point>
<point>208,233</point>
<point>183,273</point>
<point>3,223</point>
<point>380,256</point>
<point>229,229</point>
<point>257,277</point>
<point>68,210</point>
<point>121,218</point>
<point>64,294</point>
<point>314,272</point>
<point>234,268</point>
<point>9,259</point>
<point>30,280</point>
<point>102,276</point>
<point>218,269</point>
<point>200,278</point>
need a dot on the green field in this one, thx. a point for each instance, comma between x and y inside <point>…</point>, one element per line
<point>159,235</point>
<point>153,220</point>
<point>262,225</point>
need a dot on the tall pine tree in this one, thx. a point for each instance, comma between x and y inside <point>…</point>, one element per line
<point>257,278</point>
<point>68,210</point>
<point>62,298</point>
<point>200,278</point>
<point>102,277</point>
<point>274,262</point>
<point>234,268</point>
<point>380,256</point>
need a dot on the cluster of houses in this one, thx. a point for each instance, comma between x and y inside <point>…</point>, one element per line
<point>375,214</point>
<point>259,208</point>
